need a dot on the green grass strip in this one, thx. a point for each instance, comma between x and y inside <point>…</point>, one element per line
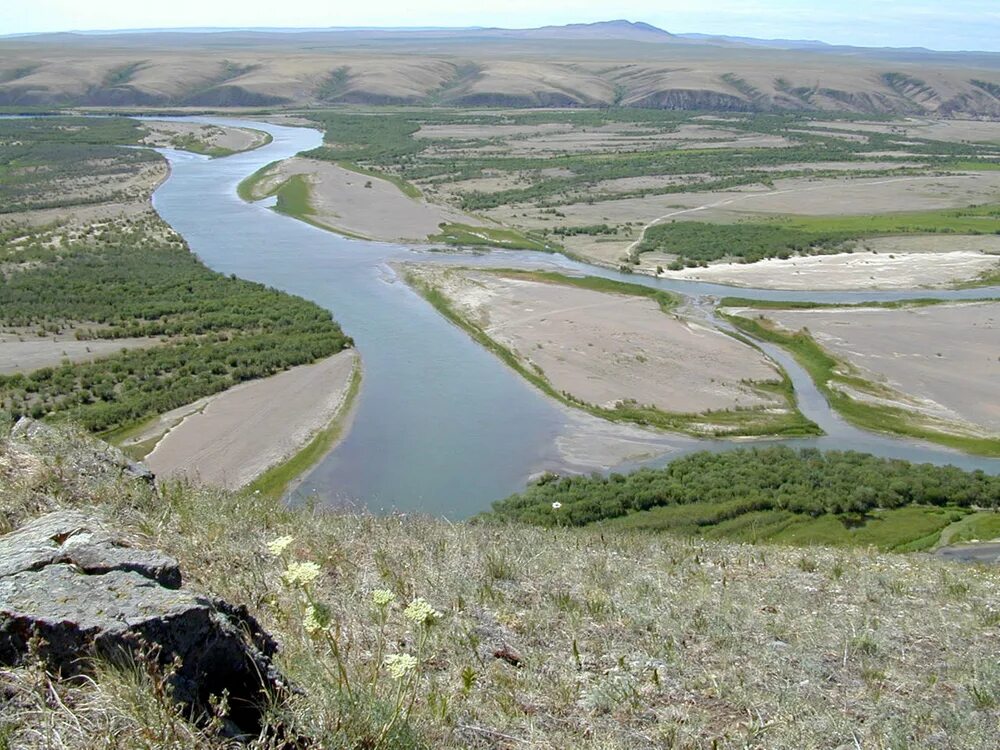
<point>464,235</point>
<point>275,481</point>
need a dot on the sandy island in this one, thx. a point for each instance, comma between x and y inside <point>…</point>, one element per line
<point>216,140</point>
<point>361,205</point>
<point>229,439</point>
<point>605,348</point>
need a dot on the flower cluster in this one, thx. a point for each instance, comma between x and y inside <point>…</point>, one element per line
<point>301,573</point>
<point>311,621</point>
<point>400,665</point>
<point>382,598</point>
<point>278,546</point>
<point>420,612</point>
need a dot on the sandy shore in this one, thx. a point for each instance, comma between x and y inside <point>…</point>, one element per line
<point>229,439</point>
<point>35,352</point>
<point>607,348</point>
<point>172,134</point>
<point>945,358</point>
<point>861,270</point>
<point>357,204</point>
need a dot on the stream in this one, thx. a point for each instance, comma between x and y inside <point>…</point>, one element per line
<point>442,426</point>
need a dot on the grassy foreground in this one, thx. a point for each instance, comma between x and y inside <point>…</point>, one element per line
<point>545,638</point>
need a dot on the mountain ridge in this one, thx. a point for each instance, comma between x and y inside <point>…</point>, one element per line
<point>611,63</point>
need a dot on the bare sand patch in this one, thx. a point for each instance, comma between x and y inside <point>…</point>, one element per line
<point>358,204</point>
<point>842,196</point>
<point>173,134</point>
<point>27,353</point>
<point>231,438</point>
<point>946,357</point>
<point>608,348</point>
<point>860,270</point>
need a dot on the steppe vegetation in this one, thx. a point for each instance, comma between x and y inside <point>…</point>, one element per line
<point>543,637</point>
<point>127,277</point>
<point>597,183</point>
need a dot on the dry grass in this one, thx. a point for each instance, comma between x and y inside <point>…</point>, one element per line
<point>624,641</point>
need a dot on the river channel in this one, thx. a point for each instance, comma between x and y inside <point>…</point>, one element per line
<point>441,425</point>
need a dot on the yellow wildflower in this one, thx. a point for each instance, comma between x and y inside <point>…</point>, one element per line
<point>400,665</point>
<point>420,612</point>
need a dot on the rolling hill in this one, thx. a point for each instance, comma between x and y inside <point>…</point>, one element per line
<point>615,63</point>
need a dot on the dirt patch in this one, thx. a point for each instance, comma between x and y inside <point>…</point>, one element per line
<point>26,354</point>
<point>229,439</point>
<point>357,204</point>
<point>607,348</point>
<point>946,357</point>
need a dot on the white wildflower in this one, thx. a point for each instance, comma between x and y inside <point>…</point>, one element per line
<point>400,665</point>
<point>556,505</point>
<point>420,612</point>
<point>383,598</point>
<point>278,546</point>
<point>301,573</point>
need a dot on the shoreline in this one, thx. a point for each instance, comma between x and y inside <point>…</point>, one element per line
<point>235,437</point>
<point>728,424</point>
<point>284,477</point>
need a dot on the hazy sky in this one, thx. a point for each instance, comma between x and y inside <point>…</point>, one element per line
<point>956,24</point>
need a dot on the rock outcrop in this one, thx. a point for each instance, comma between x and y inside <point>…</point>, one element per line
<point>72,591</point>
<point>91,458</point>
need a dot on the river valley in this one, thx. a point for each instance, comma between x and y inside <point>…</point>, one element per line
<point>442,426</point>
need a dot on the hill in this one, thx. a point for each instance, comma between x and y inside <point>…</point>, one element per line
<point>615,63</point>
<point>528,637</point>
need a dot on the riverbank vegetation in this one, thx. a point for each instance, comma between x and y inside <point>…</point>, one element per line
<point>772,494</point>
<point>542,637</point>
<point>117,277</point>
<point>276,481</point>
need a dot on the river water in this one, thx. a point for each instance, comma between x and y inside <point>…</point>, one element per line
<point>442,426</point>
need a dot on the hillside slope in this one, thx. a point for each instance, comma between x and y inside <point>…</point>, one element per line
<point>581,65</point>
<point>547,638</point>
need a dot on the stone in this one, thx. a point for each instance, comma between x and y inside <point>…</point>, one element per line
<point>90,458</point>
<point>75,538</point>
<point>71,590</point>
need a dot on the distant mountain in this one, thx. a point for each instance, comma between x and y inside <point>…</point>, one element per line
<point>611,63</point>
<point>754,42</point>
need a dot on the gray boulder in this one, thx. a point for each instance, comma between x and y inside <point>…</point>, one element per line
<point>72,591</point>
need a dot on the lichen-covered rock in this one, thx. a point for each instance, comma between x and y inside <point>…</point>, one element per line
<point>75,538</point>
<point>87,458</point>
<point>71,591</point>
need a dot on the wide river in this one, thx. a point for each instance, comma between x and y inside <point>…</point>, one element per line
<point>441,425</point>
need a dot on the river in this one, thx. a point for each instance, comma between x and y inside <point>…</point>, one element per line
<point>442,426</point>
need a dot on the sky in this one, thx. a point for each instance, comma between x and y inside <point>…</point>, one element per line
<point>952,25</point>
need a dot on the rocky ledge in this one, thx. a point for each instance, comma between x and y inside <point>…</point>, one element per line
<point>72,592</point>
